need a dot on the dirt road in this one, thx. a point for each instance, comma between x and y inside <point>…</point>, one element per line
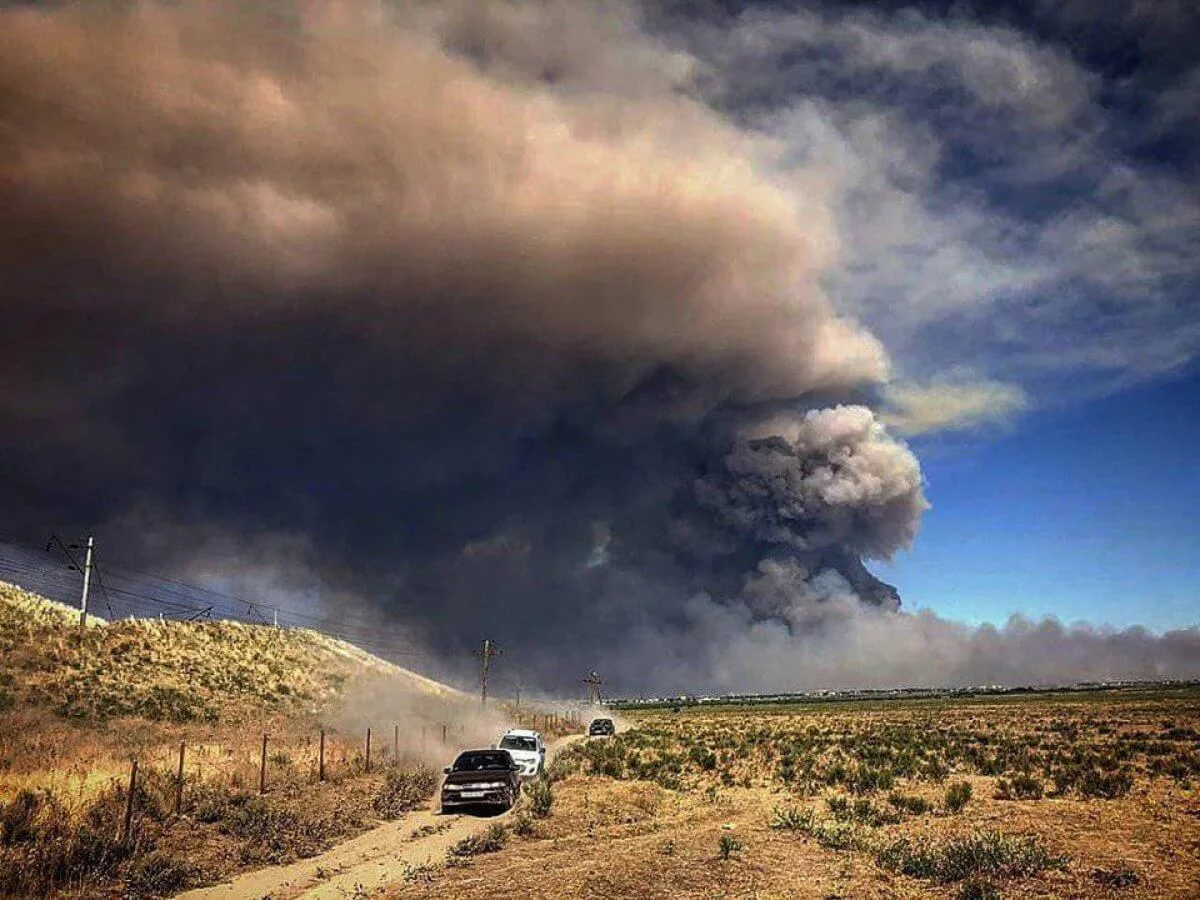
<point>359,867</point>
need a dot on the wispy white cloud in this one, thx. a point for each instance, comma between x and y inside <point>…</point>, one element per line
<point>994,205</point>
<point>947,404</point>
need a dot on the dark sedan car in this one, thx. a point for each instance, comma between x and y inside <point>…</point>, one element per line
<point>601,727</point>
<point>481,778</point>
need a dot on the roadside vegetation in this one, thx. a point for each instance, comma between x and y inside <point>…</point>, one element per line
<point>77,706</point>
<point>1052,795</point>
<point>809,754</point>
<point>51,841</point>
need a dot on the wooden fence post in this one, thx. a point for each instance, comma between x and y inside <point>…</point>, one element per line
<point>367,767</point>
<point>179,782</point>
<point>396,742</point>
<point>443,733</point>
<point>321,758</point>
<point>127,822</point>
<point>262,769</point>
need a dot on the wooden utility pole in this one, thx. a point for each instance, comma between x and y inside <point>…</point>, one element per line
<point>487,652</point>
<point>179,782</point>
<point>593,681</point>
<point>262,769</point>
<point>87,580</point>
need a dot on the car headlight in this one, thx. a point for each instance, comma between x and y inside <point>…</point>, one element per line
<point>490,785</point>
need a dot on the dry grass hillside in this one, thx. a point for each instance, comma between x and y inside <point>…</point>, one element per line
<point>77,707</point>
<point>176,671</point>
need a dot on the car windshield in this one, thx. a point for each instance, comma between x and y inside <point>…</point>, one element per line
<point>479,762</point>
<point>602,723</point>
<point>514,742</point>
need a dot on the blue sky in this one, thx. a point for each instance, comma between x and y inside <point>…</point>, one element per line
<point>1087,512</point>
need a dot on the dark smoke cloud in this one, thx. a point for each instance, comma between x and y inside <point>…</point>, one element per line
<point>469,306</point>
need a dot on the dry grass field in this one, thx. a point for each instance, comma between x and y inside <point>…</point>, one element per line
<point>1070,795</point>
<point>1059,795</point>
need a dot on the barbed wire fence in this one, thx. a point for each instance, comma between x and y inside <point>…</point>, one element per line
<point>329,754</point>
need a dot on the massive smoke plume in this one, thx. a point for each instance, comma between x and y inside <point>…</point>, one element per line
<point>476,304</point>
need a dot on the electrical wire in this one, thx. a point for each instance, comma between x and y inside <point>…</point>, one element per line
<point>188,600</point>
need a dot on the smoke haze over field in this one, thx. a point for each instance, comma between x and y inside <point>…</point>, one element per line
<point>483,315</point>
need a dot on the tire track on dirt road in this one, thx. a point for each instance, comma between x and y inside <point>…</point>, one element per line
<point>375,859</point>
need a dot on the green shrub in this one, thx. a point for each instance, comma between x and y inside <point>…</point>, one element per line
<point>835,835</point>
<point>702,757</point>
<point>728,845</point>
<point>935,770</point>
<point>1019,787</point>
<point>789,818</point>
<point>541,798</point>
<point>404,789</point>
<point>523,825</point>
<point>158,874</point>
<point>984,853</point>
<point>274,834</point>
<point>958,795</point>
<point>489,841</point>
<point>1106,786</point>
<point>861,811</point>
<point>209,801</point>
<point>868,780</point>
<point>909,803</point>
<point>1115,879</point>
<point>978,889</point>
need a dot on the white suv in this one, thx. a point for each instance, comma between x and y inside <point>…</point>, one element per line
<point>527,749</point>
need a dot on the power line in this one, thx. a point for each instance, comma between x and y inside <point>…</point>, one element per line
<point>486,652</point>
<point>103,591</point>
<point>87,569</point>
<point>191,601</point>
<point>323,623</point>
<point>593,681</point>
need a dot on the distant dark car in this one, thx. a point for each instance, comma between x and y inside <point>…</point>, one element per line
<point>601,727</point>
<point>481,778</point>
